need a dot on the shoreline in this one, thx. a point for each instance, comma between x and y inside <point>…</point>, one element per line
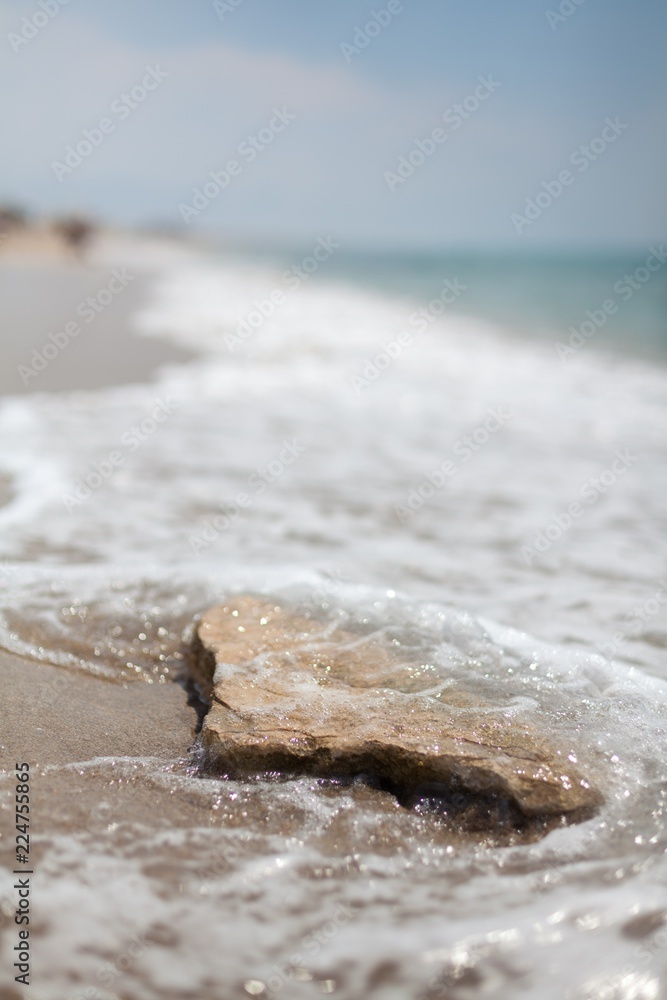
<point>67,326</point>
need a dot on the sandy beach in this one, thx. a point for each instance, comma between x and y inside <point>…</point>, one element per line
<point>53,718</point>
<point>158,876</point>
<point>47,294</point>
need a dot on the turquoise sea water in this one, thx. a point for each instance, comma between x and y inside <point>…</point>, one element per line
<point>531,293</point>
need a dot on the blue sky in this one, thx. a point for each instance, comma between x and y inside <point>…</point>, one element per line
<point>329,170</point>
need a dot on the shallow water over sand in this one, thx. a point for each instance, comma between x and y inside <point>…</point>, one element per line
<point>302,887</point>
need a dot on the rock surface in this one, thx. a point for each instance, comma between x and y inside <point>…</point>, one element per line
<point>291,695</point>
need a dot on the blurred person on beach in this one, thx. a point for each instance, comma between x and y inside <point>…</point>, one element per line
<point>76,232</point>
<point>11,218</point>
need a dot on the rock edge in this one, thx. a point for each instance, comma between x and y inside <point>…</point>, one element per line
<point>293,696</point>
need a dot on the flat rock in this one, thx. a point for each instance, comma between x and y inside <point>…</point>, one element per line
<point>293,696</point>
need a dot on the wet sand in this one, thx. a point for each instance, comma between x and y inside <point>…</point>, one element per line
<point>52,716</point>
<point>57,716</point>
<point>40,296</point>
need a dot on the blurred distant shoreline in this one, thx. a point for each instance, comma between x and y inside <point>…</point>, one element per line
<point>576,300</point>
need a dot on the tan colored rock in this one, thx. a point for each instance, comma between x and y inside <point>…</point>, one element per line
<point>296,696</point>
